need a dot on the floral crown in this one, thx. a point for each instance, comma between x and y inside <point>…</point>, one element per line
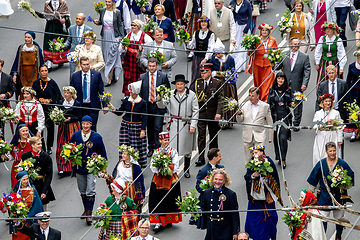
<point>204,19</point>
<point>357,53</point>
<point>265,26</point>
<point>258,147</point>
<point>129,151</point>
<point>332,26</point>
<point>90,34</point>
<point>29,90</point>
<point>70,89</point>
<point>323,97</point>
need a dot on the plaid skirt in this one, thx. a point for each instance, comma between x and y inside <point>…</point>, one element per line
<point>114,229</point>
<point>195,69</point>
<point>130,135</point>
<point>322,70</point>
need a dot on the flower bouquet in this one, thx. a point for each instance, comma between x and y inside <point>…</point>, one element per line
<point>106,97</point>
<point>5,147</point>
<point>142,3</point>
<point>190,203</point>
<point>163,92</point>
<point>25,5</point>
<point>125,42</point>
<point>293,220</point>
<point>285,23</point>
<point>274,56</point>
<point>162,159</point>
<point>260,164</point>
<point>129,151</point>
<point>96,163</point>
<point>250,41</point>
<point>14,204</point>
<point>72,57</point>
<point>72,152</point>
<point>7,115</point>
<point>205,183</point>
<point>339,177</point>
<point>158,55</point>
<point>57,116</point>
<point>56,45</point>
<point>149,27</point>
<point>354,113</point>
<point>230,104</point>
<point>307,2</point>
<point>229,74</point>
<point>89,18</point>
<point>181,34</point>
<point>28,165</point>
<point>335,124</point>
<point>99,5</point>
<point>298,98</point>
<point>103,212</point>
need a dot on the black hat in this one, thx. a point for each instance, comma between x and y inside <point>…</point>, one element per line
<point>179,78</point>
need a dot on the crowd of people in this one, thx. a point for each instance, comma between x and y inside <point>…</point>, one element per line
<point>176,126</point>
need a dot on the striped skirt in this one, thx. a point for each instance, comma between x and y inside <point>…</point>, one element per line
<point>65,131</point>
<point>130,135</point>
<point>114,229</point>
<point>195,68</point>
<point>322,71</point>
<point>193,24</point>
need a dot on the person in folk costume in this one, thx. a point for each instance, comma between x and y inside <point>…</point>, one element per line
<point>25,69</point>
<point>311,225</point>
<point>182,103</point>
<point>129,170</point>
<point>132,70</point>
<point>26,189</point>
<point>133,125</point>
<point>329,51</point>
<point>259,66</point>
<point>262,192</point>
<point>92,143</point>
<point>321,170</point>
<point>118,203</point>
<point>72,113</point>
<point>44,162</point>
<point>202,40</point>
<point>161,185</point>
<point>57,15</point>
<point>220,225</point>
<point>47,91</point>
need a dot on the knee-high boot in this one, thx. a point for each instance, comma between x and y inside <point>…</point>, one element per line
<point>89,208</point>
<point>186,166</point>
<point>84,201</point>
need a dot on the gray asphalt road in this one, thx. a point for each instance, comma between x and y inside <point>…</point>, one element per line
<point>68,202</point>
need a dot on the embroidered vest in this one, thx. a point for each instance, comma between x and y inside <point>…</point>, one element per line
<point>28,115</point>
<point>333,50</point>
<point>202,44</point>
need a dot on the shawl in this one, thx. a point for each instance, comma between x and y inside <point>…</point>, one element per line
<point>62,11</point>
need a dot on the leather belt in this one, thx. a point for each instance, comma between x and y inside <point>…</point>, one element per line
<point>216,219</point>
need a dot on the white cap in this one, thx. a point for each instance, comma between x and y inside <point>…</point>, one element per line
<point>219,46</point>
<point>44,216</point>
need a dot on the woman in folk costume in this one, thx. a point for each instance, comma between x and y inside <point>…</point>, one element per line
<point>25,69</point>
<point>132,70</point>
<point>330,51</point>
<point>129,170</point>
<point>57,15</point>
<point>160,186</point>
<point>67,128</point>
<point>118,202</point>
<point>323,136</point>
<point>262,193</point>
<point>311,226</point>
<point>133,124</point>
<point>182,103</point>
<point>25,188</point>
<point>260,67</point>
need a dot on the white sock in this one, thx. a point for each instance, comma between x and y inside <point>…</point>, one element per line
<point>191,54</point>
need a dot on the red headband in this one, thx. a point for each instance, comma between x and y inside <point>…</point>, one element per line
<point>164,135</point>
<point>118,185</point>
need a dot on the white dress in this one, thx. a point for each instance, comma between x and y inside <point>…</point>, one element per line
<point>315,226</point>
<point>324,137</point>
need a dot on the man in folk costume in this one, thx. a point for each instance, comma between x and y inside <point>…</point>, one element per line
<point>159,205</point>
<point>57,15</point>
<point>182,104</point>
<point>220,225</point>
<point>92,143</point>
<point>208,90</point>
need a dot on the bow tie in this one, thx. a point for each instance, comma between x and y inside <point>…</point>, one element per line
<point>218,190</point>
<point>219,14</point>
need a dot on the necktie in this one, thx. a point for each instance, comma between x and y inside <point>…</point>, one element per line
<point>206,85</point>
<point>85,87</point>
<point>79,38</point>
<point>43,233</point>
<point>219,14</point>
<point>292,59</point>
<point>333,89</point>
<point>152,89</point>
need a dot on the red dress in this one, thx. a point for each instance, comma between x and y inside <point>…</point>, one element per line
<point>17,152</point>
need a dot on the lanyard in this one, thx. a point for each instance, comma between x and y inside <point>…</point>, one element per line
<point>298,21</point>
<point>280,97</point>
<point>321,4</point>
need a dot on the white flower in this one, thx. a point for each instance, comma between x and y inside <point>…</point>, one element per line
<point>282,18</point>
<point>288,30</point>
<point>277,15</point>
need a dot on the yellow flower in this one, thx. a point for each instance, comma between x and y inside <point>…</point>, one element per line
<point>67,152</point>
<point>354,116</point>
<point>286,19</point>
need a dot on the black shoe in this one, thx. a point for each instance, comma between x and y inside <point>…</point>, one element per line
<point>189,59</point>
<point>279,162</point>
<point>284,166</point>
<point>199,163</point>
<point>108,85</point>
<point>158,228</point>
<point>187,174</point>
<point>191,221</point>
<point>168,225</point>
<point>60,65</point>
<point>49,151</point>
<point>296,129</point>
<point>150,152</point>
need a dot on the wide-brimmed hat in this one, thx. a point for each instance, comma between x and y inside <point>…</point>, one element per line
<point>179,78</point>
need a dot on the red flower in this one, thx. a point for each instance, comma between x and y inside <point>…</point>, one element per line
<point>330,25</point>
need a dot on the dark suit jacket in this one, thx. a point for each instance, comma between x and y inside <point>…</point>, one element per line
<point>117,23</point>
<point>72,42</point>
<point>161,79</point>
<point>34,232</point>
<point>341,90</point>
<point>203,172</point>
<point>300,74</point>
<point>169,9</point>
<point>7,85</point>
<point>96,87</point>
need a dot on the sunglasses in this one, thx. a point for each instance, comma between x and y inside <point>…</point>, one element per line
<point>133,25</point>
<point>217,3</point>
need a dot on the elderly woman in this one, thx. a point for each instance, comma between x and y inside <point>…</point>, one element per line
<point>29,58</point>
<point>112,31</point>
<point>260,67</point>
<point>90,50</point>
<point>262,191</point>
<point>164,23</point>
<point>330,51</point>
<point>203,40</point>
<point>303,28</point>
<point>132,70</point>
<point>30,112</point>
<point>129,170</point>
<point>169,9</point>
<point>67,128</point>
<point>322,11</point>
<point>133,126</point>
<point>325,135</point>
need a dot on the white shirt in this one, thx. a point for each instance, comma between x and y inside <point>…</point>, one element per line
<point>45,232</point>
<point>341,55</point>
<point>294,56</point>
<point>342,3</point>
<point>202,36</point>
<point>330,84</point>
<point>212,166</point>
<point>55,4</point>
<point>87,100</point>
<point>222,60</point>
<point>237,7</point>
<point>85,137</point>
<point>206,82</point>
<point>108,19</point>
<point>126,15</point>
<point>40,113</point>
<point>67,104</point>
<point>155,75</point>
<point>254,110</point>
<point>136,37</point>
<point>124,173</point>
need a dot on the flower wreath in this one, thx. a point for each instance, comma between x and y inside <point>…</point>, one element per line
<point>70,89</point>
<point>206,19</point>
<point>90,34</point>
<point>357,53</point>
<point>129,151</point>
<point>29,90</point>
<point>325,96</point>
<point>265,26</point>
<point>258,147</point>
<point>332,26</point>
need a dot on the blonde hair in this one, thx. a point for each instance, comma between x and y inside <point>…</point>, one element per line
<point>321,104</point>
<point>222,172</point>
<point>161,6</point>
<point>34,140</point>
<point>331,68</point>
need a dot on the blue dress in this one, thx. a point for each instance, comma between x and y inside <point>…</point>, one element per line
<point>352,77</point>
<point>168,28</point>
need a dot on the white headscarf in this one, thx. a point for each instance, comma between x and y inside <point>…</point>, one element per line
<point>120,182</point>
<point>135,88</point>
<point>219,46</point>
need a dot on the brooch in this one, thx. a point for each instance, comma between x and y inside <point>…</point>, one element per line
<point>16,149</point>
<point>222,198</point>
<point>89,144</point>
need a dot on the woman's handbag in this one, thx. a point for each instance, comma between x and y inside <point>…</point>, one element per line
<point>256,10</point>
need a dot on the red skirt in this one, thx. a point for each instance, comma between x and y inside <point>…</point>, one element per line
<point>56,57</point>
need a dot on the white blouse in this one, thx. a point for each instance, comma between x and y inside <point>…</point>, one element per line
<point>175,160</point>
<point>202,36</point>
<point>40,113</point>
<point>108,18</point>
<point>124,173</point>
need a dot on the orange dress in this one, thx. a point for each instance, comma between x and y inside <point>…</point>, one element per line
<point>261,69</point>
<point>27,196</point>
